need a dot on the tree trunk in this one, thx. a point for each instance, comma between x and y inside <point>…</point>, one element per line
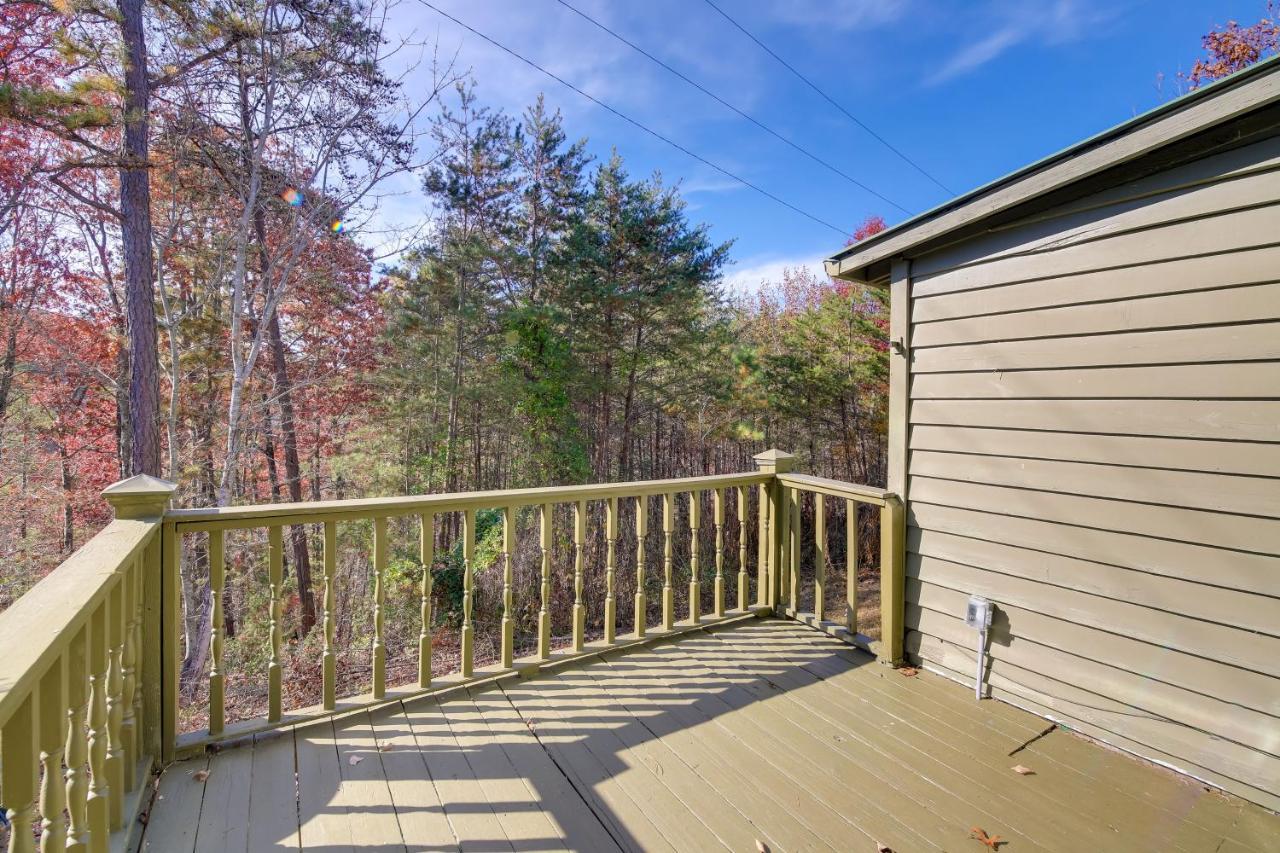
<point>292,472</point>
<point>289,438</point>
<point>68,518</point>
<point>135,229</point>
<point>269,450</point>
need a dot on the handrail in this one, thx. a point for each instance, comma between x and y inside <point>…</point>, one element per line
<point>37,628</point>
<point>75,681</point>
<point>263,515</point>
<point>837,488</point>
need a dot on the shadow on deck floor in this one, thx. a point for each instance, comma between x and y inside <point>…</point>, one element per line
<point>766,732</point>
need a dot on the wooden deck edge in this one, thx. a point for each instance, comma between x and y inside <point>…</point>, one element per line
<point>137,807</point>
<point>442,688</point>
<point>838,630</point>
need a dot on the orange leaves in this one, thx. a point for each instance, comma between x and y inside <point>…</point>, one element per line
<point>1234,47</point>
<point>977,833</point>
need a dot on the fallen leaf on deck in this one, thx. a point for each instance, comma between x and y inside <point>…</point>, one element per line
<point>908,671</point>
<point>200,775</point>
<point>355,759</point>
<point>1023,771</point>
<point>761,846</point>
<point>977,833</point>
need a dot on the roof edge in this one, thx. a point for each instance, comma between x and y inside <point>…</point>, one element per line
<point>1198,110</point>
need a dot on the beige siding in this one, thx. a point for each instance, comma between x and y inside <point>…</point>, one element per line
<point>1094,445</point>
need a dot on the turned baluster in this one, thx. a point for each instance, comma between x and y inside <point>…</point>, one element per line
<point>742,548</point>
<point>695,588</point>
<point>115,708</point>
<point>668,555</point>
<point>18,774</point>
<point>611,543</point>
<point>77,749</point>
<point>379,686</point>
<point>275,578</point>
<point>763,551</point>
<point>851,565</point>
<point>642,528</point>
<point>819,555</point>
<point>794,571</point>
<point>328,661</point>
<point>468,562</point>
<point>217,580</point>
<point>718,513</point>
<point>508,586</point>
<point>99,815</point>
<point>427,556</point>
<point>544,614</point>
<point>52,714</point>
<point>129,679</point>
<point>579,609</point>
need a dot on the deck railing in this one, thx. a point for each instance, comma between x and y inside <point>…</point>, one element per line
<point>79,678</point>
<point>89,680</point>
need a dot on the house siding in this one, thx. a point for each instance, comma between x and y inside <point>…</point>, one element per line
<point>1094,445</point>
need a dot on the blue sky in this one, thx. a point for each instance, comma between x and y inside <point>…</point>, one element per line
<point>970,90</point>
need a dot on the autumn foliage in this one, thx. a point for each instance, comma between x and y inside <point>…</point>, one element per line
<point>1233,47</point>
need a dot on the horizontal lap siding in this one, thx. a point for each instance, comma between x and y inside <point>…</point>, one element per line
<point>1094,444</point>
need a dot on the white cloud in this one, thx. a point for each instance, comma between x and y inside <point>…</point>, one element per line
<point>1007,25</point>
<point>693,186</point>
<point>746,278</point>
<point>839,15</point>
<point>978,54</point>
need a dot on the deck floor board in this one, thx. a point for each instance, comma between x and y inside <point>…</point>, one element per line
<point>762,734</point>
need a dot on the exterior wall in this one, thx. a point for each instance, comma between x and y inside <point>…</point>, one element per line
<point>1094,445</point>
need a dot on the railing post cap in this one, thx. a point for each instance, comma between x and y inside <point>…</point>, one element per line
<point>140,496</point>
<point>778,461</point>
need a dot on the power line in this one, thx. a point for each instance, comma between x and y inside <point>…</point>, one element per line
<point>829,99</point>
<point>637,124</point>
<point>704,90</point>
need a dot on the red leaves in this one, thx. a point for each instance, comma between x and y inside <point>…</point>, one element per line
<point>870,226</point>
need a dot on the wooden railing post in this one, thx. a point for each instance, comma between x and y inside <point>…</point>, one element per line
<point>892,580</point>
<point>775,462</point>
<point>146,498</point>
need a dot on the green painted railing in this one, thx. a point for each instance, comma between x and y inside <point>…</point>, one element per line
<point>89,679</point>
<point>79,679</point>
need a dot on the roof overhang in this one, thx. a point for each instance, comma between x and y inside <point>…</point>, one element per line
<point>1188,116</point>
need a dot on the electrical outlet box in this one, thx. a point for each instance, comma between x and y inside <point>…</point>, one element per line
<point>978,613</point>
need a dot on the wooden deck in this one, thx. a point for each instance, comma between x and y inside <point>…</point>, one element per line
<point>766,732</point>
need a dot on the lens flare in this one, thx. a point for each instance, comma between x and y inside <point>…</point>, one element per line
<point>337,226</point>
<point>292,197</point>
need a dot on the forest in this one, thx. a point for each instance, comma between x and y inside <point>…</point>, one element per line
<point>190,288</point>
